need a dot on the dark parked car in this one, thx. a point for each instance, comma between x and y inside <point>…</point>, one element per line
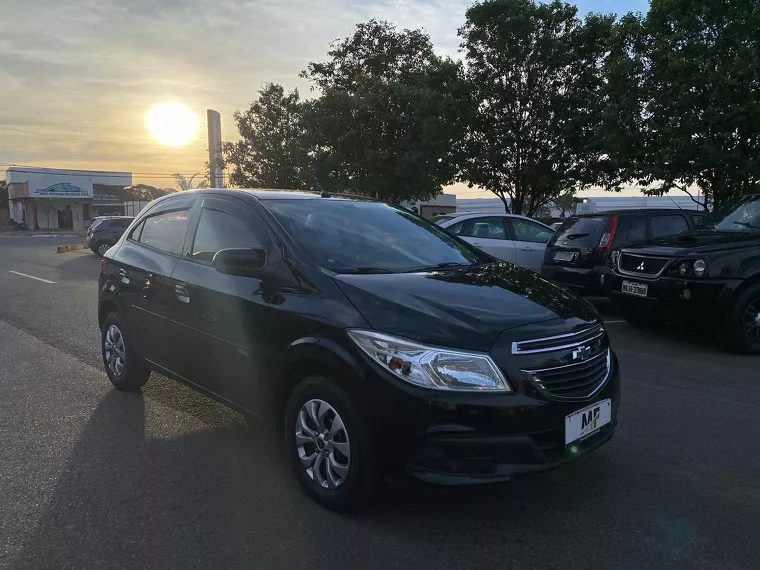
<point>382,344</point>
<point>577,253</point>
<point>106,231</point>
<point>711,273</point>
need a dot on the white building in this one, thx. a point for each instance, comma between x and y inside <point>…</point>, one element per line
<point>441,204</point>
<point>49,198</point>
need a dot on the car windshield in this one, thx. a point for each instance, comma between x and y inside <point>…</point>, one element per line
<point>742,214</point>
<point>368,237</point>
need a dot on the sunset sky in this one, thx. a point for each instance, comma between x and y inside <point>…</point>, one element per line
<point>79,76</point>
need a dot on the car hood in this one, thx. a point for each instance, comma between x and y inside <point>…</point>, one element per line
<point>701,241</point>
<point>462,308</point>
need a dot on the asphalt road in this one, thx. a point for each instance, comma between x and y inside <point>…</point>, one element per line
<point>94,478</point>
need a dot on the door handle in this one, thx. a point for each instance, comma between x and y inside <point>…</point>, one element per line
<point>146,285</point>
<point>525,249</point>
<point>476,244</point>
<point>123,275</point>
<point>182,295</point>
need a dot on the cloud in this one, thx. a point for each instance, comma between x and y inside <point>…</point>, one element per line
<point>84,72</point>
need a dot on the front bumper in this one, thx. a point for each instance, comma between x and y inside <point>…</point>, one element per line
<point>465,439</point>
<point>676,298</point>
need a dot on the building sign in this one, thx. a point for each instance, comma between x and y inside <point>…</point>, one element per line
<point>61,190</point>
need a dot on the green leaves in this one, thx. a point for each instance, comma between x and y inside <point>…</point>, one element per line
<point>537,93</point>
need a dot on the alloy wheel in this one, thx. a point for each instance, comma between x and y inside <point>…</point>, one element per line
<point>113,349</point>
<point>751,321</point>
<point>103,248</point>
<point>322,443</point>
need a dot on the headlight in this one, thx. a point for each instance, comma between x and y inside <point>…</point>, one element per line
<point>700,266</point>
<point>689,268</point>
<point>431,367</point>
<point>683,268</point>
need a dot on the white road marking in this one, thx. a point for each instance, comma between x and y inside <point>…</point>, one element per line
<point>32,277</point>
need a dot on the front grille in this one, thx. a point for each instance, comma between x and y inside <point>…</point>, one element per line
<point>641,265</point>
<point>586,337</point>
<point>574,381</point>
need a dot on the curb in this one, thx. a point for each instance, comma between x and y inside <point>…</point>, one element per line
<point>65,248</point>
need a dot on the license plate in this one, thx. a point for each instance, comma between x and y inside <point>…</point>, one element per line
<point>586,423</point>
<point>632,288</point>
<point>564,256</point>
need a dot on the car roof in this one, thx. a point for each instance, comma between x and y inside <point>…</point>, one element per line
<point>635,211</point>
<point>264,194</point>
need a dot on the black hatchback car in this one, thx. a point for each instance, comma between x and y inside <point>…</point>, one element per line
<point>577,253</point>
<point>382,344</point>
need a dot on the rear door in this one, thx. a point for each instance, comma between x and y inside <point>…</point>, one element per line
<point>576,242</point>
<point>145,262</point>
<point>491,235</point>
<point>530,239</point>
<point>220,321</point>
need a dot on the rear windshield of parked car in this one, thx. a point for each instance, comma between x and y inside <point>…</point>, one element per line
<point>581,231</point>
<point>356,237</point>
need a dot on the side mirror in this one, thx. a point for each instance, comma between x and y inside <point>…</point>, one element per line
<point>243,262</point>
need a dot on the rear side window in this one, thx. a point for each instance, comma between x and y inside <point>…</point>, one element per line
<point>667,225</point>
<point>637,229</point>
<point>219,230</point>
<point>696,219</point>
<point>525,230</point>
<point>487,228</point>
<point>163,231</point>
<point>584,231</point>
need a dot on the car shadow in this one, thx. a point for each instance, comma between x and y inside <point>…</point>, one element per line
<point>80,265</point>
<point>170,478</point>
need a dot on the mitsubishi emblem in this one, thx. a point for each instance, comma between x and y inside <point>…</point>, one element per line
<point>640,267</point>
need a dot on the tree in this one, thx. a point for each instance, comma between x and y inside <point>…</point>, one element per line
<point>566,202</point>
<point>389,118</point>
<point>702,97</point>
<point>3,194</point>
<point>537,95</point>
<point>143,192</point>
<point>185,183</point>
<point>271,152</point>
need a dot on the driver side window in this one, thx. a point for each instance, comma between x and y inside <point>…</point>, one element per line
<point>526,230</point>
<point>219,230</point>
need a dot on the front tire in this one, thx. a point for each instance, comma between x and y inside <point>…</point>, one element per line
<point>742,326</point>
<point>329,445</point>
<point>119,357</point>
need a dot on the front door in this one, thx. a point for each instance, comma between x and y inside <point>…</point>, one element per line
<point>490,235</point>
<point>220,321</point>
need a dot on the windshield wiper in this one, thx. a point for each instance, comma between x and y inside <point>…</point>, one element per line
<point>747,225</point>
<point>366,269</point>
<point>575,236</point>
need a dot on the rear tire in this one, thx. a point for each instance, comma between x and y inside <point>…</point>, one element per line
<point>119,358</point>
<point>742,326</point>
<point>329,446</point>
<point>102,248</point>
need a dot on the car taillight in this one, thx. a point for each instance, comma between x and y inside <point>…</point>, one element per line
<point>609,234</point>
<point>95,230</point>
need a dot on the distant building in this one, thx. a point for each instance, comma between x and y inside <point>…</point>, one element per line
<point>50,198</point>
<point>441,204</point>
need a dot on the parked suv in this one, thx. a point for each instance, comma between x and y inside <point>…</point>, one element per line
<point>381,344</point>
<point>577,253</point>
<point>711,273</point>
<point>106,231</point>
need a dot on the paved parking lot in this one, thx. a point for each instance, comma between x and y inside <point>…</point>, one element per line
<point>93,478</point>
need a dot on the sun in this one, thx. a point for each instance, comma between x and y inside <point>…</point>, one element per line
<point>172,124</point>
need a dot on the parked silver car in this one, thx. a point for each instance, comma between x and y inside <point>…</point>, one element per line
<point>510,237</point>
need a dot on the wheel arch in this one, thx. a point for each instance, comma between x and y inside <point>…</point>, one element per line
<point>312,356</point>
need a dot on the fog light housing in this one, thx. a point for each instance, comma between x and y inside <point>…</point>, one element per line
<point>601,279</point>
<point>685,294</point>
